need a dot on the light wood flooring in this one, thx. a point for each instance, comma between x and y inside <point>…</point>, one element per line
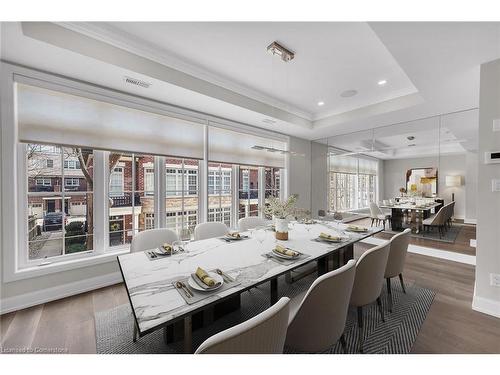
<point>451,325</point>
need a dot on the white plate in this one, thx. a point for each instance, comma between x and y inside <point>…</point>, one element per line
<point>278,254</point>
<point>161,252</point>
<point>218,279</point>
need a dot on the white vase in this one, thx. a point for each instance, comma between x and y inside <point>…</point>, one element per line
<point>281,225</point>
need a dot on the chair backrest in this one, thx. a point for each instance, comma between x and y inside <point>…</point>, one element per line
<point>209,230</point>
<point>441,216</point>
<point>397,253</point>
<point>320,320</point>
<point>152,239</point>
<point>262,334</point>
<point>246,223</point>
<point>375,209</point>
<point>370,270</point>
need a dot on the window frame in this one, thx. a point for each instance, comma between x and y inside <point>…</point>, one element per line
<point>12,158</point>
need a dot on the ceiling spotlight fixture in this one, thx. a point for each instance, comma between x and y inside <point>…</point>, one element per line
<point>410,138</point>
<point>255,147</point>
<point>412,145</point>
<point>277,49</point>
<point>348,93</point>
<point>321,103</point>
<point>382,82</point>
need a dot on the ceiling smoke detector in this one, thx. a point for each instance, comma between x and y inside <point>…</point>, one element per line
<point>277,49</point>
<point>136,82</point>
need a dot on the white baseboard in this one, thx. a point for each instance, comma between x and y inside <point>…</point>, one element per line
<point>470,221</point>
<point>485,305</point>
<point>57,292</point>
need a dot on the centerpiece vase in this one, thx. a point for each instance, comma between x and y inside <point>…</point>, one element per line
<point>281,226</point>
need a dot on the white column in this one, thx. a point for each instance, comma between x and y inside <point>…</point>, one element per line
<point>203,181</point>
<point>160,192</point>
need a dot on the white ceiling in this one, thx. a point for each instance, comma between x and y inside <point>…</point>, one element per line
<point>329,59</point>
<point>431,68</point>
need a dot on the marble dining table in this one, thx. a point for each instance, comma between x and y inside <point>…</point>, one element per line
<point>157,304</point>
<point>417,212</point>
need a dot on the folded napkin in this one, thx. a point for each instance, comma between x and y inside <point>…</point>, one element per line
<point>329,236</point>
<point>283,250</point>
<point>356,227</point>
<point>204,277</point>
<point>167,248</point>
<point>234,235</point>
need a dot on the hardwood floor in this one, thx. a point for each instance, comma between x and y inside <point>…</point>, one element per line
<point>461,245</point>
<point>451,325</point>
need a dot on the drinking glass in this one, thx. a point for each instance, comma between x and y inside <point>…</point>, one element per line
<point>260,235</point>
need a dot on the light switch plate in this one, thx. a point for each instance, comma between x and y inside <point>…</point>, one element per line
<point>496,125</point>
<point>495,185</point>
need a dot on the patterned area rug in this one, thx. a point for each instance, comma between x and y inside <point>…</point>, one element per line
<point>114,328</point>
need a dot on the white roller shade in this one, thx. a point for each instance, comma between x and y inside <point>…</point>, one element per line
<point>235,147</point>
<point>54,117</point>
<point>368,166</point>
<point>343,164</point>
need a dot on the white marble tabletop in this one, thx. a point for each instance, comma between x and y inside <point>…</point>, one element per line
<point>409,206</point>
<point>149,283</point>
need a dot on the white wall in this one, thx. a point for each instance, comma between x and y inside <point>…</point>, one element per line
<point>319,177</point>
<point>471,187</point>
<point>486,296</point>
<point>299,171</point>
<point>395,170</point>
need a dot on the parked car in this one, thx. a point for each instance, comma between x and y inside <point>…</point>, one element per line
<point>52,221</point>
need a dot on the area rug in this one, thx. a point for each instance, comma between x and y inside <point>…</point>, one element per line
<point>114,328</point>
<point>449,235</point>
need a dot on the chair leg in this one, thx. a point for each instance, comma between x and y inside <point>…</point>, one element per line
<point>360,329</point>
<point>380,309</point>
<point>389,293</point>
<point>384,224</point>
<point>402,283</point>
<point>373,221</point>
<point>343,343</point>
<point>135,333</point>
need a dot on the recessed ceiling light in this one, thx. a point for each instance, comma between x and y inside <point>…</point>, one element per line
<point>321,103</point>
<point>348,93</point>
<point>382,82</point>
<point>410,137</point>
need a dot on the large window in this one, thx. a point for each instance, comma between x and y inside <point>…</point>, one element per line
<point>131,196</point>
<point>75,202</point>
<point>353,182</point>
<point>219,192</point>
<point>182,188</point>
<point>248,192</point>
<point>60,216</point>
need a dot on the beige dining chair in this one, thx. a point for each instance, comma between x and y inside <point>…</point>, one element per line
<point>209,230</point>
<point>438,220</point>
<point>377,215</point>
<point>370,269</point>
<point>262,334</point>
<point>246,223</point>
<point>317,320</point>
<point>151,239</point>
<point>396,261</point>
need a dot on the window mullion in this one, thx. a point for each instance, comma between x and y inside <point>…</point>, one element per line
<point>160,192</point>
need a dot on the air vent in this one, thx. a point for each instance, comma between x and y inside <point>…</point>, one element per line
<point>137,82</point>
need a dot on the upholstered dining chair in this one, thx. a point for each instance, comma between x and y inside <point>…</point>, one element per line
<point>377,215</point>
<point>439,220</point>
<point>262,334</point>
<point>317,319</point>
<point>209,230</point>
<point>246,223</point>
<point>396,261</point>
<point>370,269</point>
<point>152,239</point>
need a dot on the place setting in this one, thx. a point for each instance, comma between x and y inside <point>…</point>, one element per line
<point>331,237</point>
<point>165,250</point>
<point>234,236</point>
<point>284,255</point>
<point>202,284</point>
